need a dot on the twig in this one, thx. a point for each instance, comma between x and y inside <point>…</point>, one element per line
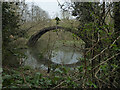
<point>94,44</point>
<point>98,78</point>
<point>25,80</point>
<point>105,49</point>
<point>106,60</point>
<point>114,41</point>
<point>58,85</point>
<point>63,82</point>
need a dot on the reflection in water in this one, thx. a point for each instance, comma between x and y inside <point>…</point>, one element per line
<point>31,61</point>
<point>65,57</point>
<point>60,55</point>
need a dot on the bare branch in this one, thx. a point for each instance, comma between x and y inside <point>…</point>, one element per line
<point>99,78</point>
<point>105,49</point>
<point>106,60</point>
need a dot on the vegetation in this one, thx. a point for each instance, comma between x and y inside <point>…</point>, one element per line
<point>97,26</point>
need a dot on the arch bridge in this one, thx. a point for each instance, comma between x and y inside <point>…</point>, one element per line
<point>34,38</point>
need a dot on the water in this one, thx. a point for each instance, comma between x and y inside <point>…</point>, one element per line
<point>65,55</point>
<point>41,56</point>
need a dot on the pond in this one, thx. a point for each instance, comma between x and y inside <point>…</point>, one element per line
<point>66,53</point>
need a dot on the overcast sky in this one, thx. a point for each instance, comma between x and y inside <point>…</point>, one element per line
<point>51,6</point>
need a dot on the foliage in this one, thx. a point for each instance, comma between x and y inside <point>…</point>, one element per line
<point>101,63</point>
<point>83,11</point>
<point>99,29</point>
<point>26,77</point>
<point>10,22</point>
<point>10,27</point>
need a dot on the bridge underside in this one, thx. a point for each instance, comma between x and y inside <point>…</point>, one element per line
<point>34,38</point>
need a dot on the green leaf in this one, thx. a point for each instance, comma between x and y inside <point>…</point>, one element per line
<point>80,68</point>
<point>59,71</point>
<point>18,82</point>
<point>109,33</point>
<point>49,82</point>
<point>37,78</point>
<point>115,66</point>
<point>7,77</point>
<point>94,85</point>
<point>89,68</point>
<point>13,87</point>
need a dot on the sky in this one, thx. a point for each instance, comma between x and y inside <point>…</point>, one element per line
<point>50,6</point>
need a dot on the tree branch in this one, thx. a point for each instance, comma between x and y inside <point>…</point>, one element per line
<point>105,49</point>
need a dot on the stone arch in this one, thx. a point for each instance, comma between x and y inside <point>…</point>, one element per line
<point>34,38</point>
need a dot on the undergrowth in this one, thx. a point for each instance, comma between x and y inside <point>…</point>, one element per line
<point>26,77</point>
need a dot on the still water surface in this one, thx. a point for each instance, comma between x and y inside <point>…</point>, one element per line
<point>63,54</point>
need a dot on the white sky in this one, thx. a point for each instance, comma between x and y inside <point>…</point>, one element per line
<point>51,6</point>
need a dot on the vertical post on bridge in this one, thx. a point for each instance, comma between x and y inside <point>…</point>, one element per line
<point>57,22</point>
